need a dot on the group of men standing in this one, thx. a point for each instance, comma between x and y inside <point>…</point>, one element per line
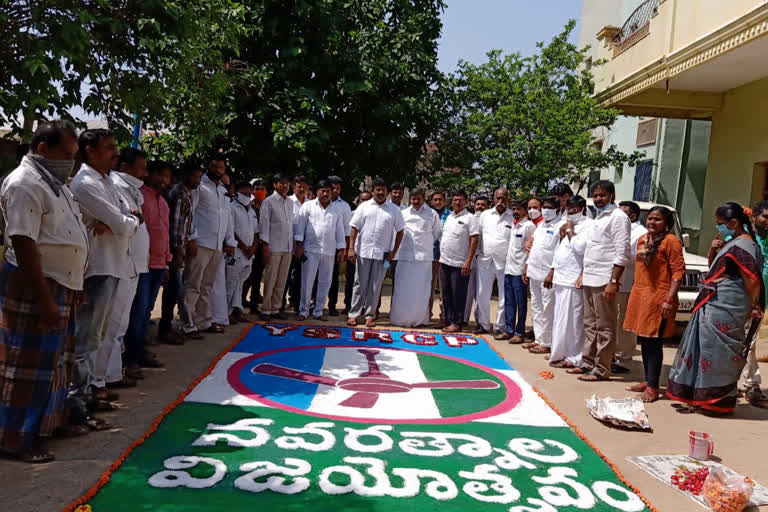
<point>85,261</point>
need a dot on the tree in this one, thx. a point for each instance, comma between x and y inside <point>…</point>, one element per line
<point>113,58</point>
<point>322,87</point>
<point>524,122</point>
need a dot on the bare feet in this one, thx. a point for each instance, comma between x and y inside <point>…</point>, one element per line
<point>352,322</point>
<point>370,322</point>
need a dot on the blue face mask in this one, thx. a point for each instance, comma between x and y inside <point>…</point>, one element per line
<point>725,231</point>
<point>601,210</point>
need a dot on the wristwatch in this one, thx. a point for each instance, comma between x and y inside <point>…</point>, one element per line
<point>614,281</point>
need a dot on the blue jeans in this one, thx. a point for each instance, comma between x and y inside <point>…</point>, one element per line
<point>136,335</point>
<point>515,304</point>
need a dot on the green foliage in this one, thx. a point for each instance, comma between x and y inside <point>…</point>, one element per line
<point>113,58</point>
<point>523,122</point>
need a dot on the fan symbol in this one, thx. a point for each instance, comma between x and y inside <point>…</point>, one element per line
<point>369,385</point>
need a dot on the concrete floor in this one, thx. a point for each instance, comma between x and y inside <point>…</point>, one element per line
<point>81,461</point>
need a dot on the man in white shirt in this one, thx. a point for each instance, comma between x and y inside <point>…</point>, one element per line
<point>605,257</point>
<point>568,327</point>
<point>515,288</point>
<point>458,244</point>
<point>245,227</point>
<point>276,233</point>
<point>212,238</point>
<point>111,224</point>
<point>481,204</point>
<point>545,240</point>
<point>414,276</point>
<point>46,252</point>
<point>495,230</point>
<point>346,215</point>
<point>563,192</point>
<point>396,193</point>
<point>373,224</point>
<point>626,341</point>
<point>320,240</point>
<point>293,287</point>
<point>108,365</point>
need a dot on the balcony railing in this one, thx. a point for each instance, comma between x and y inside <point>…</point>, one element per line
<point>637,20</point>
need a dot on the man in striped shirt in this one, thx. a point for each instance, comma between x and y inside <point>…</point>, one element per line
<point>181,201</point>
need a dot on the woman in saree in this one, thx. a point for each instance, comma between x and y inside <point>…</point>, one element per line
<point>713,350</point>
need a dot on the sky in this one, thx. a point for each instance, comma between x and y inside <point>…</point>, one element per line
<point>472,27</point>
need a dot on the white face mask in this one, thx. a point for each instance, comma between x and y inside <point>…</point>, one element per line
<point>573,217</point>
<point>534,214</point>
<point>243,199</point>
<point>548,214</point>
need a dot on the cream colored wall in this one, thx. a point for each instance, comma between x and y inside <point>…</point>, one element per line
<point>738,141</point>
<point>677,25</point>
<point>697,18</point>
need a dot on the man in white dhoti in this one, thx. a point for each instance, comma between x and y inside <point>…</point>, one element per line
<point>245,225</point>
<point>565,275</point>
<point>545,240</point>
<point>495,230</point>
<point>320,238</point>
<point>414,272</point>
<point>481,204</point>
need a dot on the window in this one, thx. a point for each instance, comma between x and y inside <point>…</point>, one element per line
<point>643,175</point>
<point>646,132</point>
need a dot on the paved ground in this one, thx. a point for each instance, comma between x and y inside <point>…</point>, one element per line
<point>81,461</point>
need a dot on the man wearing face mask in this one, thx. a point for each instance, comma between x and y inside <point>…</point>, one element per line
<point>496,227</point>
<point>111,224</point>
<point>568,263</point>
<point>605,257</point>
<point>253,283</point>
<point>108,365</point>
<point>45,258</point>
<point>534,211</point>
<point>563,192</point>
<point>625,340</point>
<point>545,240</point>
<point>246,230</point>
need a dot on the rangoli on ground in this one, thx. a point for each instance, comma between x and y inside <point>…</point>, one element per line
<point>311,418</point>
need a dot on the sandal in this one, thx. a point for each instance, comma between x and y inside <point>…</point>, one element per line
<point>370,323</point>
<point>529,345</point>
<point>101,406</point>
<point>69,431</point>
<point>352,322</point>
<point>97,424</point>
<point>579,370</point>
<point>540,350</point>
<point>637,388</point>
<point>592,377</point>
<point>36,456</point>
<point>561,364</point>
<point>103,394</point>
<point>321,318</point>
<point>215,329</point>
<point>151,361</point>
<point>650,395</point>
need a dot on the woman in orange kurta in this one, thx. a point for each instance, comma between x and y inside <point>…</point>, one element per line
<point>659,271</point>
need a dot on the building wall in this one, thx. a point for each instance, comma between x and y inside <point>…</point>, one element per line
<point>623,135</point>
<point>738,152</point>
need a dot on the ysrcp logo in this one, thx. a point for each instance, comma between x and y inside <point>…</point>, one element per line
<point>382,385</point>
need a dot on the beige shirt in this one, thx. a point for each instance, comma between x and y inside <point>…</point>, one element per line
<point>31,208</point>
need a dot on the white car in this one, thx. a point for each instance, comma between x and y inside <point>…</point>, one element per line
<point>695,266</point>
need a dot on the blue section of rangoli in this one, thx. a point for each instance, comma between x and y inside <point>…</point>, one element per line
<point>259,339</point>
<point>294,393</point>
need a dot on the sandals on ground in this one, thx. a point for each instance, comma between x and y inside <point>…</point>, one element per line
<point>561,364</point>
<point>97,424</point>
<point>592,377</point>
<point>101,406</point>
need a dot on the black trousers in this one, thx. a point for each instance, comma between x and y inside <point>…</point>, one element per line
<point>293,287</point>
<point>453,288</point>
<point>253,283</point>
<point>653,358</point>
<point>333,292</point>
